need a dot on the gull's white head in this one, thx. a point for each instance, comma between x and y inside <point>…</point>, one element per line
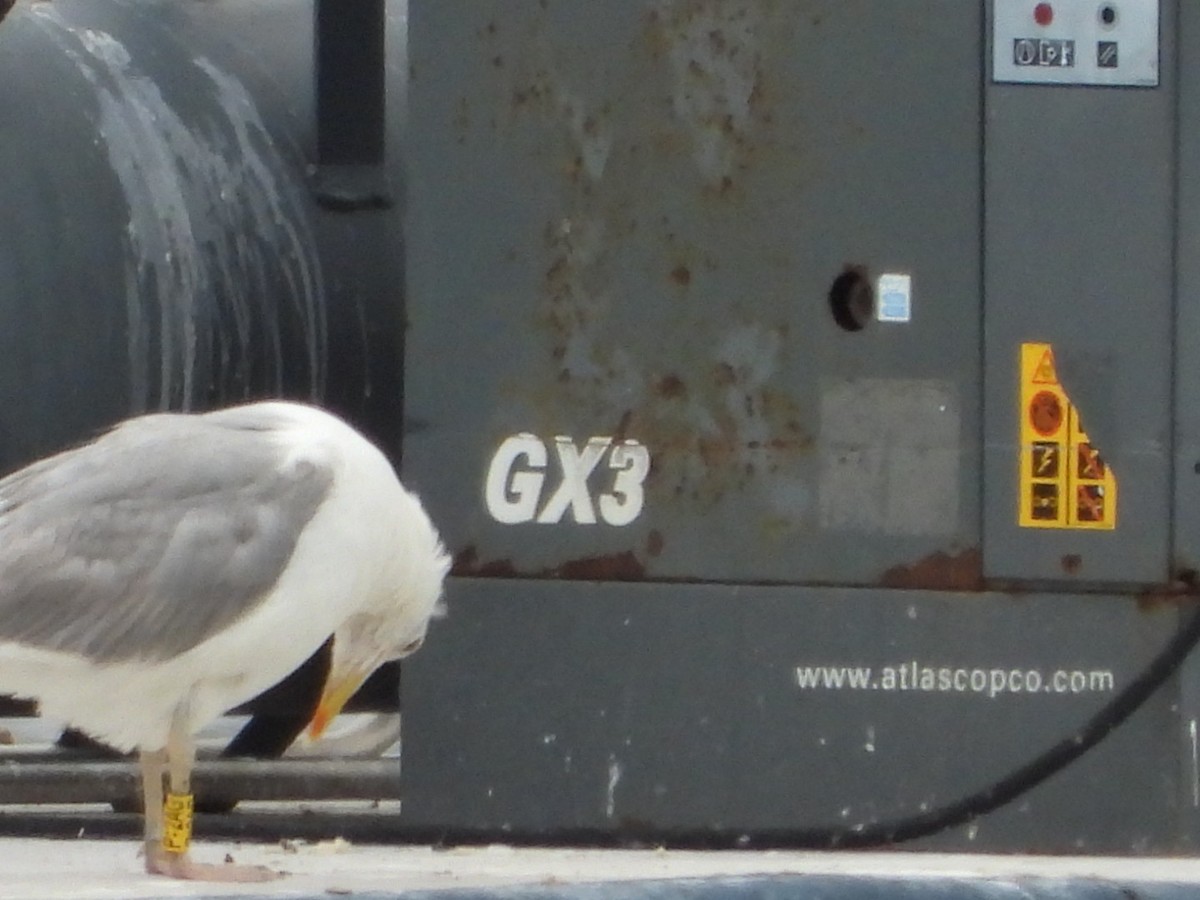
<point>394,617</point>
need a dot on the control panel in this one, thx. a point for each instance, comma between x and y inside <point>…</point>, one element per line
<point>1090,42</point>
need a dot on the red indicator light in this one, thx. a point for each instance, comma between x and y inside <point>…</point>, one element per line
<point>1043,14</point>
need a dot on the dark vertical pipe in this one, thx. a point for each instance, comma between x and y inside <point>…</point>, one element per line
<point>351,60</point>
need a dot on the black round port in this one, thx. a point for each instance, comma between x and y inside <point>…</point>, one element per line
<point>1108,14</point>
<point>851,299</point>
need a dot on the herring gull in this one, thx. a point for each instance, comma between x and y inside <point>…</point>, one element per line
<point>180,564</point>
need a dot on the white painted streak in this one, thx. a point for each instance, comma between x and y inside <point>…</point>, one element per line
<point>1195,764</point>
<point>214,228</point>
<point>614,777</point>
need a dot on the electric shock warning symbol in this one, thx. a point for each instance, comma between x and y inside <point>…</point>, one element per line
<point>1064,481</point>
<point>1045,459</point>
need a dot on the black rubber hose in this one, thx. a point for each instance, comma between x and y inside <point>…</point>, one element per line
<point>1007,789</point>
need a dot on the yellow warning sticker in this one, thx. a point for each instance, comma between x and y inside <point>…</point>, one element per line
<point>1064,481</point>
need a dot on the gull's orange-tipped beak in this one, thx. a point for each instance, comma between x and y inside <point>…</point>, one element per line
<point>339,688</point>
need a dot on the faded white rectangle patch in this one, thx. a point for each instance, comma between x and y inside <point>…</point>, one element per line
<point>889,451</point>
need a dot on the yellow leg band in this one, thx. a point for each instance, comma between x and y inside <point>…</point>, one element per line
<point>177,822</point>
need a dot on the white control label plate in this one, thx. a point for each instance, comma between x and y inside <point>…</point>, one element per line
<point>1096,42</point>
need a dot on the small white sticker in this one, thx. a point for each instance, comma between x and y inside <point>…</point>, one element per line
<point>515,487</point>
<point>894,298</point>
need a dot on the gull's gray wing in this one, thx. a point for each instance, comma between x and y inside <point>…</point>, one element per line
<point>152,538</point>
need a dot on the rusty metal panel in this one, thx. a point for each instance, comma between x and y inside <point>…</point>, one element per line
<point>642,239</point>
<point>1079,248</point>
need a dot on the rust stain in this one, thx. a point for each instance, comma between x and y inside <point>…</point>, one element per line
<point>465,560</point>
<point>714,59</point>
<point>939,571</point>
<point>748,433</point>
<point>1157,600</point>
<point>670,387</point>
<point>557,274</point>
<point>467,564</point>
<point>1185,586</point>
<point>717,452</point>
<point>533,93</point>
<point>654,543</point>
<point>1072,563</point>
<point>1187,577</point>
<point>724,374</point>
<point>709,408</point>
<point>721,188</point>
<point>655,37</point>
<point>622,566</point>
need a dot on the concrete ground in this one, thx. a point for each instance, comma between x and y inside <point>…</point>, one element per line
<point>84,869</point>
<point>76,865</point>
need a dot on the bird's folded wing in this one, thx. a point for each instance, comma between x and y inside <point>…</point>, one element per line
<point>147,541</point>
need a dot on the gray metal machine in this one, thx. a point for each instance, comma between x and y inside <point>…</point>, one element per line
<point>810,394</point>
<point>808,390</point>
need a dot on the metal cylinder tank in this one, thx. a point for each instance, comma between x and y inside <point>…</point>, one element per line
<point>166,242</point>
